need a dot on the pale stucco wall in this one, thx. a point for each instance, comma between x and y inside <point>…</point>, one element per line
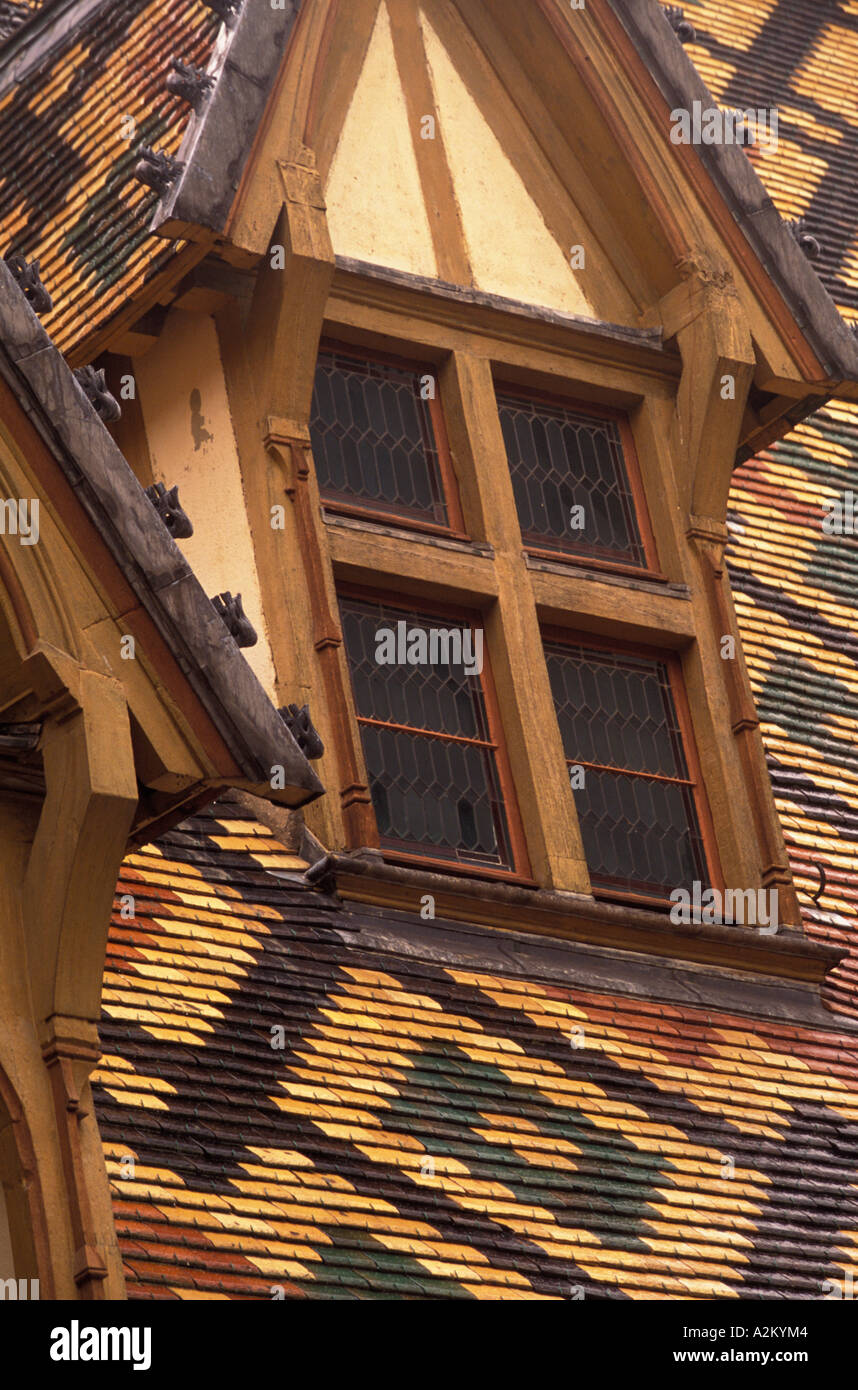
<point>375,203</point>
<point>510,248</point>
<point>376,208</point>
<point>191,442</point>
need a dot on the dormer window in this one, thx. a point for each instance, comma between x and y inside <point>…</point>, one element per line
<point>572,765</point>
<point>576,483</point>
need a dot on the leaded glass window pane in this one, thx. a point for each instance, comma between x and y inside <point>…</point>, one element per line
<point>373,439</point>
<point>636,807</point>
<point>570,481</point>
<point>430,755</point>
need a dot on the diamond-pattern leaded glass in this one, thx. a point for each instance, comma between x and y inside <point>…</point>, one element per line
<point>373,439</point>
<point>570,481</point>
<point>636,807</point>
<point>430,756</point>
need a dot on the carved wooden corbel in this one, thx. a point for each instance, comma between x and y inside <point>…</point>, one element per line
<point>284,325</point>
<point>709,539</point>
<point>69,1062</point>
<point>291,295</point>
<point>705,315</point>
<point>288,444</point>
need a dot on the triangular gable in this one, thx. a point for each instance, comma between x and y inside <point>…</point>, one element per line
<point>381,205</point>
<point>552,133</point>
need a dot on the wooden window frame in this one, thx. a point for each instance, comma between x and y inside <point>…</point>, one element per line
<point>650,569</point>
<point>672,661</point>
<point>455,530</point>
<point>519,872</point>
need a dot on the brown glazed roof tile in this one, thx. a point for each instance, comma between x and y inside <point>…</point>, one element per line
<point>69,133</point>
<point>794,585</point>
<point>430,1131</point>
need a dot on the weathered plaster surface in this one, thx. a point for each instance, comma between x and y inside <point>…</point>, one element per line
<point>375,202</point>
<point>191,442</point>
<point>510,248</point>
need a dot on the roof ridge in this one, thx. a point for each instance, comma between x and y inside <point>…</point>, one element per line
<point>30,30</point>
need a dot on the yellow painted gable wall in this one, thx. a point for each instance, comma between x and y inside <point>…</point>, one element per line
<point>375,201</point>
<point>509,246</point>
<point>375,204</point>
<point>191,442</point>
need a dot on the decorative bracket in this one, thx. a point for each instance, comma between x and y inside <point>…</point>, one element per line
<point>189,83</point>
<point>808,243</point>
<point>169,509</point>
<point>27,275</point>
<point>682,27</point>
<point>156,169</point>
<point>92,382</point>
<point>302,729</point>
<point>229,607</point>
<point>288,443</point>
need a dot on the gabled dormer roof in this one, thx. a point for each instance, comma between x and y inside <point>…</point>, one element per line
<point>69,193</point>
<point>591,51</point>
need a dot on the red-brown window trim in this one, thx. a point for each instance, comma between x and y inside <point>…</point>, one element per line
<point>520,872</point>
<point>650,569</point>
<point>447,473</point>
<point>672,661</point>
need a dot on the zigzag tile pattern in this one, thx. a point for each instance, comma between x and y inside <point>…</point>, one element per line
<point>795,585</point>
<point>288,1114</point>
<point>69,134</point>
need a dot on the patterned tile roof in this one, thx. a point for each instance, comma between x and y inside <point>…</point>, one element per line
<point>428,1131</point>
<point>68,148</point>
<point>795,585</point>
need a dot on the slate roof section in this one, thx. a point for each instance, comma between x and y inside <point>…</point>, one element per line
<point>434,1131</point>
<point>795,586</point>
<point>68,196</point>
